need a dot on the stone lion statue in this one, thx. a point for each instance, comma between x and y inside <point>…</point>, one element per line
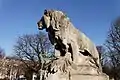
<point>67,39</point>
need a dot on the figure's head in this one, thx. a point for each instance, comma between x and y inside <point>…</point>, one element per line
<point>50,18</point>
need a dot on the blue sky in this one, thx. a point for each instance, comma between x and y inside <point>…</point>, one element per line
<point>18,17</point>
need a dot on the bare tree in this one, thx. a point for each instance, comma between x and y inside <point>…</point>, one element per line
<point>101,51</point>
<point>113,45</point>
<point>34,50</point>
<point>113,39</point>
<point>2,53</point>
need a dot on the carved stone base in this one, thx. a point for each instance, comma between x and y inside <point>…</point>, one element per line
<point>63,69</point>
<point>89,77</point>
<point>58,76</point>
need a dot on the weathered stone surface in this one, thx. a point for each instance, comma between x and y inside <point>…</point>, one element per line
<point>77,55</point>
<point>63,69</point>
<point>89,77</point>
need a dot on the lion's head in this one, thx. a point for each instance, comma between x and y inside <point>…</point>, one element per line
<point>51,19</point>
<point>54,22</point>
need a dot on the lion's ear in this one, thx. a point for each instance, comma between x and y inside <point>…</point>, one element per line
<point>47,12</point>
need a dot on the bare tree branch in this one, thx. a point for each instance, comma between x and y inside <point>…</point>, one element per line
<point>113,46</point>
<point>33,50</point>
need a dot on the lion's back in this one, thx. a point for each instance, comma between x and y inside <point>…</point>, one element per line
<point>82,41</point>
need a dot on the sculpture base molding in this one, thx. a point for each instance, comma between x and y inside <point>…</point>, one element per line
<point>88,77</point>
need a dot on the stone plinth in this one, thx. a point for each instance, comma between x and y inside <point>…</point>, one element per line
<point>88,77</point>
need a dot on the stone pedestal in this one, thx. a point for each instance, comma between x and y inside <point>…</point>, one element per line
<point>59,76</point>
<point>89,77</point>
<point>85,72</point>
<point>63,69</point>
